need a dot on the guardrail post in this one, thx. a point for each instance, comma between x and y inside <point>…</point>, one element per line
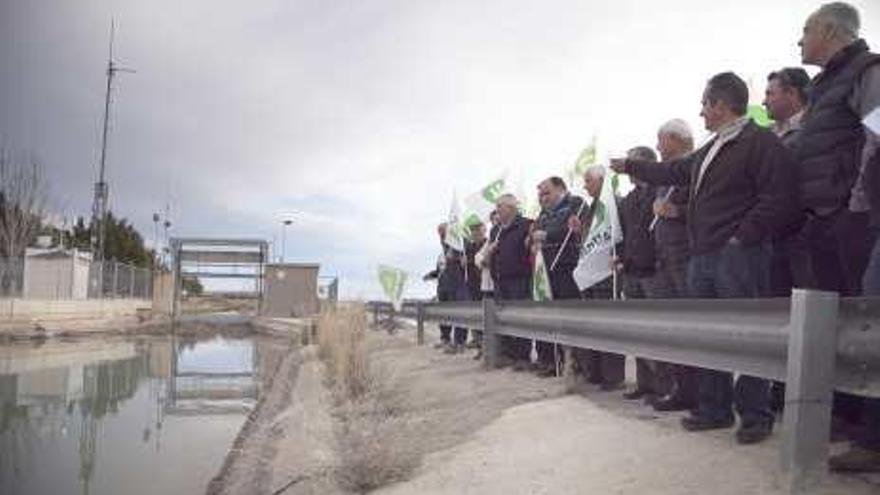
<point>420,323</point>
<point>812,352</point>
<point>491,340</point>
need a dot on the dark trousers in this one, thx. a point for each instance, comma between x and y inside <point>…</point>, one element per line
<point>514,289</point>
<point>563,286</point>
<point>601,367</point>
<point>790,265</point>
<point>840,246</point>
<point>735,271</point>
<point>647,377</point>
<point>459,337</point>
<point>670,282</point>
<point>871,408</point>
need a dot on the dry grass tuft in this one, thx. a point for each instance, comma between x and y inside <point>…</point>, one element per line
<point>373,448</point>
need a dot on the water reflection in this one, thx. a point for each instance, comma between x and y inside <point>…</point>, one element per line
<point>124,416</point>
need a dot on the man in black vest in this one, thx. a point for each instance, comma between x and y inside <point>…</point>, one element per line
<point>831,150</point>
<point>741,191</point>
<point>838,157</point>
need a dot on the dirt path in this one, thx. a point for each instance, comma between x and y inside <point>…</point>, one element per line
<point>452,428</point>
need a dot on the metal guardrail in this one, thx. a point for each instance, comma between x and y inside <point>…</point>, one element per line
<point>816,343</point>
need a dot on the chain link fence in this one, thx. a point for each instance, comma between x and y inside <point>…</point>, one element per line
<point>66,277</point>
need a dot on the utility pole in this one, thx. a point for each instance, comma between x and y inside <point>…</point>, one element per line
<point>102,190</point>
<point>284,225</point>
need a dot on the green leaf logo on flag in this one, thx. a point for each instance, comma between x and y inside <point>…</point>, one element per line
<point>615,183</point>
<point>492,191</point>
<point>586,158</point>
<point>392,281</point>
<point>759,115</point>
<point>541,290</point>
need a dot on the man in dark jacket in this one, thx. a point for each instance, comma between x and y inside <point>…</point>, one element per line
<point>785,99</point>
<point>560,247</point>
<point>474,273</point>
<point>637,263</point>
<point>451,286</point>
<point>511,268</point>
<point>838,159</point>
<point>674,140</point>
<point>606,369</point>
<point>741,190</point>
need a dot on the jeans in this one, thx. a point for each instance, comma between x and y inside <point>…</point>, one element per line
<point>735,271</point>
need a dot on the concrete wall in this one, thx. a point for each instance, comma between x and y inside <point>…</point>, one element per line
<point>56,278</point>
<point>20,310</point>
<point>291,290</point>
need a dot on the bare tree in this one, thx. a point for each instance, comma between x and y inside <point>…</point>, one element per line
<point>23,196</point>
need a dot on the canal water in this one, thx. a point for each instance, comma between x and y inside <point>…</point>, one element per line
<point>125,416</point>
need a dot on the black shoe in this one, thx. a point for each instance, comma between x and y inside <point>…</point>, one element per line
<point>671,403</point>
<point>547,372</point>
<point>611,387</point>
<point>522,365</point>
<point>696,422</point>
<point>856,460</point>
<point>636,394</point>
<point>756,432</point>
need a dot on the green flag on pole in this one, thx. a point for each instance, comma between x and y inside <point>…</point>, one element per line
<point>541,290</point>
<point>478,205</point>
<point>392,280</point>
<point>594,264</point>
<point>585,160</point>
<point>456,230</point>
<point>759,114</point>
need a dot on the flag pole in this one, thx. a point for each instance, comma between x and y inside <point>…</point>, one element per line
<point>567,238</point>
<point>656,217</point>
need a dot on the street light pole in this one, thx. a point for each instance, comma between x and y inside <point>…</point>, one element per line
<point>284,223</point>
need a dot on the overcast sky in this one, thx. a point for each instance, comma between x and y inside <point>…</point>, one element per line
<point>359,117</point>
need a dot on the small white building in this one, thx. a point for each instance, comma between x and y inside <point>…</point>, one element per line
<point>55,273</point>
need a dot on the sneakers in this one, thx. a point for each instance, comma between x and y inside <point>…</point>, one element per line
<point>695,422</point>
<point>749,433</point>
<point>856,460</point>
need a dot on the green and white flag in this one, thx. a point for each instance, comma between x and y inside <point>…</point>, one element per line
<point>541,290</point>
<point>456,230</point>
<point>597,250</point>
<point>479,205</point>
<point>392,281</point>
<point>587,158</point>
<point>759,115</point>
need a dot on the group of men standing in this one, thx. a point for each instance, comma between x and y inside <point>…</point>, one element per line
<point>752,213</point>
